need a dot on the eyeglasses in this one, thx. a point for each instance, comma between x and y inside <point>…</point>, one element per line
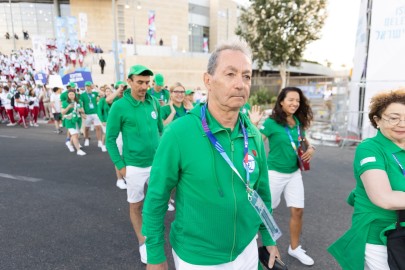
<point>393,121</point>
<point>179,92</point>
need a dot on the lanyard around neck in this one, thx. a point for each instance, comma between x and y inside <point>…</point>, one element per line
<point>399,164</point>
<point>221,150</point>
<point>294,146</point>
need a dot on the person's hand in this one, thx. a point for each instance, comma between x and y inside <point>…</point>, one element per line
<point>123,171</point>
<point>187,104</point>
<point>307,156</point>
<point>273,250</point>
<point>172,109</point>
<point>255,114</point>
<point>161,266</point>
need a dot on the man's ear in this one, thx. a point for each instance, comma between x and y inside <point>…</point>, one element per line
<point>207,80</point>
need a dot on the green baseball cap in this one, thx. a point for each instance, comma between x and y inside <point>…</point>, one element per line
<point>159,80</point>
<point>189,92</point>
<point>72,85</point>
<point>88,83</point>
<point>139,70</point>
<point>117,84</point>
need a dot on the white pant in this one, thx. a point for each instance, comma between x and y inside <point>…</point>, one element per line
<point>376,257</point>
<point>136,179</point>
<point>92,119</point>
<point>247,260</point>
<point>289,183</point>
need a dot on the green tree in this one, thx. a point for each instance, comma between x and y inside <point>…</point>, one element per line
<point>278,31</point>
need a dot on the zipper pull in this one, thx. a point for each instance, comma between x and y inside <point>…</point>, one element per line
<point>232,148</point>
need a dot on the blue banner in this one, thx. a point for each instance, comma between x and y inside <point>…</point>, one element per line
<point>40,77</point>
<point>78,77</point>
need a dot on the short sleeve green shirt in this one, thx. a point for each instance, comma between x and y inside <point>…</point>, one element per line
<point>165,112</point>
<point>282,156</point>
<point>89,102</point>
<point>378,153</point>
<point>161,95</point>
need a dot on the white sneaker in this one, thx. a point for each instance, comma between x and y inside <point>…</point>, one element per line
<point>86,142</point>
<point>99,144</point>
<point>36,125</point>
<point>11,124</point>
<point>142,252</point>
<point>70,146</point>
<point>103,148</point>
<point>171,200</point>
<point>31,124</point>
<point>170,207</point>
<point>81,152</point>
<point>121,184</point>
<point>300,255</point>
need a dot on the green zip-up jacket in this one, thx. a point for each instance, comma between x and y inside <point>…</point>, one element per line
<point>103,108</point>
<point>140,124</point>
<point>214,219</point>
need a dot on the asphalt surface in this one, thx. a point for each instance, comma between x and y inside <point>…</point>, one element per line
<point>62,211</point>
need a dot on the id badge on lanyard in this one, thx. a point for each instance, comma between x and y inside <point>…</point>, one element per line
<point>253,197</point>
<point>265,215</point>
<point>91,105</point>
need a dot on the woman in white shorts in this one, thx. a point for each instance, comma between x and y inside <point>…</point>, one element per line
<point>284,130</point>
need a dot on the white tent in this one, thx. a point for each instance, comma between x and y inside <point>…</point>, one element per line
<point>379,58</point>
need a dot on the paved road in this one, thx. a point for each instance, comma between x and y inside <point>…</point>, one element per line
<point>61,211</point>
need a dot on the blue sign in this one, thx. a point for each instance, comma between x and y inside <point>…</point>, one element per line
<point>40,77</point>
<point>78,77</point>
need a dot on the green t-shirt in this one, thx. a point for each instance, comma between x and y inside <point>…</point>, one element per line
<point>282,156</point>
<point>180,111</point>
<point>103,108</point>
<point>89,102</point>
<point>377,153</point>
<point>162,95</point>
<point>245,109</point>
<point>72,118</point>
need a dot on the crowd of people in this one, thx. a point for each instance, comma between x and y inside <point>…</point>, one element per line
<point>205,154</point>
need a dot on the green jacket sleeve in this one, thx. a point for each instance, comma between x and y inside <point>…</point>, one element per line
<point>114,126</point>
<point>263,187</point>
<point>163,178</point>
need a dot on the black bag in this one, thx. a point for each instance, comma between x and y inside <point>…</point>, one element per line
<point>264,256</point>
<point>396,244</point>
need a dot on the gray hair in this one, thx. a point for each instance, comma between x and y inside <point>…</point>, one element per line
<point>234,45</point>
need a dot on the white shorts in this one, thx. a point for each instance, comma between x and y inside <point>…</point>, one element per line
<point>247,260</point>
<point>92,119</point>
<point>289,183</point>
<point>74,131</point>
<point>376,257</point>
<point>104,128</point>
<point>136,179</point>
<point>119,143</point>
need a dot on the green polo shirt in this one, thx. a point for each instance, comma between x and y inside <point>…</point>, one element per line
<point>89,102</point>
<point>166,110</point>
<point>369,221</point>
<point>282,156</point>
<point>162,95</point>
<point>377,153</point>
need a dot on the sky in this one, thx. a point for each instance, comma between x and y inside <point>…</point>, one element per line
<point>337,42</point>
